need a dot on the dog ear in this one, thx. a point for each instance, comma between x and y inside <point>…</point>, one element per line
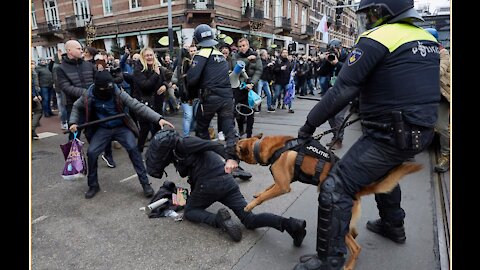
<point>260,135</point>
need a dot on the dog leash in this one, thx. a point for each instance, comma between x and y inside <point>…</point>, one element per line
<point>344,124</point>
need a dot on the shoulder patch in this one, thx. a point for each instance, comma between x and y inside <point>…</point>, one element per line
<point>355,55</point>
<point>204,52</point>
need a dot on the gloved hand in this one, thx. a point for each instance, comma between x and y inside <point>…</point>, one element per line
<point>306,131</point>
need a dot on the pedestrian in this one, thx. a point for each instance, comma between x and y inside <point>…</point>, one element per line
<point>393,68</point>
<point>209,72</point>
<point>443,122</point>
<point>203,162</point>
<point>101,100</point>
<point>36,102</point>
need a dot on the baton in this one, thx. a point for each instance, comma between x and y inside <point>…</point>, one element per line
<point>97,121</point>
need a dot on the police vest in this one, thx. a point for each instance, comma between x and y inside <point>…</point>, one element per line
<point>406,79</point>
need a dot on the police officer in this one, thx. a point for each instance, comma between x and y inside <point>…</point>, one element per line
<point>202,161</point>
<point>208,74</point>
<point>394,68</point>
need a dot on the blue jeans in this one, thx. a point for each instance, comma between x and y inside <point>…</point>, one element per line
<point>62,109</point>
<point>45,93</point>
<point>187,118</point>
<point>280,91</point>
<point>101,139</point>
<point>225,190</point>
<point>263,85</point>
<point>324,84</point>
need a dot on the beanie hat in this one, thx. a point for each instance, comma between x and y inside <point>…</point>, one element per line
<point>103,79</point>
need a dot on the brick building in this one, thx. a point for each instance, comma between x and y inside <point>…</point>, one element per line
<point>141,23</point>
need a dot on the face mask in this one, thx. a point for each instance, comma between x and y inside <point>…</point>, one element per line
<point>103,93</point>
<point>301,62</point>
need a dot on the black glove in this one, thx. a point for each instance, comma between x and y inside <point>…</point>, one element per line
<point>306,131</point>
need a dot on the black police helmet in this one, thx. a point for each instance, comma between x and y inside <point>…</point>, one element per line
<point>204,36</point>
<point>384,11</point>
<point>160,152</point>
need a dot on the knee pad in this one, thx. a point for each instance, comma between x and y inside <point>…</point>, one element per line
<point>331,190</point>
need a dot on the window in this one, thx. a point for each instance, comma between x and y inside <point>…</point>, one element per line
<point>107,7</point>
<point>50,52</point>
<point>266,8</point>
<point>82,9</point>
<point>295,14</point>
<point>34,19</point>
<point>51,13</point>
<point>289,9</point>
<point>304,19</point>
<point>135,5</point>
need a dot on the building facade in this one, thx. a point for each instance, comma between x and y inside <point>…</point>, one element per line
<point>111,24</point>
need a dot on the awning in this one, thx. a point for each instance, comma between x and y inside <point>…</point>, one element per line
<point>228,29</point>
<point>160,30</point>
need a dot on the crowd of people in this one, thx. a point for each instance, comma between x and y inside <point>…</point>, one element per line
<point>90,84</point>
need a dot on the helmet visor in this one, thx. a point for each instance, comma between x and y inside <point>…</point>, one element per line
<point>362,22</point>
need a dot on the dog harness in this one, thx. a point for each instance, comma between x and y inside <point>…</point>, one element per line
<point>326,158</point>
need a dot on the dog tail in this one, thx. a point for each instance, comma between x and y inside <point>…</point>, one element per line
<point>391,180</point>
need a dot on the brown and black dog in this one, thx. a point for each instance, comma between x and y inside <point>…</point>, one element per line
<point>282,171</point>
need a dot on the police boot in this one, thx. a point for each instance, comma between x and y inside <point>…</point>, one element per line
<point>332,226</point>
<point>296,229</point>
<point>394,232</point>
<point>224,221</point>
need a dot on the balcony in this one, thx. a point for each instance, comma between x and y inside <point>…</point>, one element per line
<point>282,24</point>
<point>76,22</point>
<point>199,9</point>
<point>49,28</point>
<point>252,14</point>
<point>306,31</point>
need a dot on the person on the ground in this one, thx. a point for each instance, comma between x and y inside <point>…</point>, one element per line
<point>394,69</point>
<point>203,162</point>
<point>209,72</point>
<point>104,99</point>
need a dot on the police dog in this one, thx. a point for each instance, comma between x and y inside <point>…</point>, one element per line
<point>282,171</point>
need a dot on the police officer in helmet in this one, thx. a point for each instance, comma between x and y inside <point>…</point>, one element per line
<point>394,69</point>
<point>209,72</point>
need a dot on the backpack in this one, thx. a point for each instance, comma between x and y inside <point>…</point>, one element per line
<point>160,152</point>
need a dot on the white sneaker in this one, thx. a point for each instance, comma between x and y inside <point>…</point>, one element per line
<point>64,126</point>
<point>221,137</point>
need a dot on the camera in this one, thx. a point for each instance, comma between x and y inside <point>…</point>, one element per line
<point>331,54</point>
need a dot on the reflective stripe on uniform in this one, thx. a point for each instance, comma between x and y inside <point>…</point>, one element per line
<point>395,35</point>
<point>205,52</point>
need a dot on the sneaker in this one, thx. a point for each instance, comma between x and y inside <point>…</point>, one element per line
<point>64,126</point>
<point>271,109</point>
<point>225,222</point>
<point>109,161</point>
<point>148,190</point>
<point>35,136</point>
<point>240,173</point>
<point>278,105</point>
<point>221,137</point>
<point>296,229</point>
<point>91,192</point>
<point>443,164</point>
<point>290,111</point>
<point>388,230</point>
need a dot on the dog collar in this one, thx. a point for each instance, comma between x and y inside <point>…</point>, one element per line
<point>256,153</point>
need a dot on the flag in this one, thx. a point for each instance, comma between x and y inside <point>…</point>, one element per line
<point>323,28</point>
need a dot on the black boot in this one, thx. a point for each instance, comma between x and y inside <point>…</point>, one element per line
<point>315,263</point>
<point>225,222</point>
<point>396,233</point>
<point>296,229</point>
<point>148,190</point>
<point>91,192</point>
